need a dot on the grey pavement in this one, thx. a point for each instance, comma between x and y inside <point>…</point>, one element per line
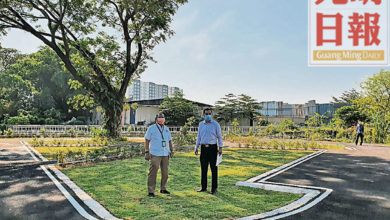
<point>26,192</point>
<point>360,180</point>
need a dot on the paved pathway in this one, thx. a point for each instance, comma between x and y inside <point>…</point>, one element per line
<point>360,180</point>
<point>26,192</point>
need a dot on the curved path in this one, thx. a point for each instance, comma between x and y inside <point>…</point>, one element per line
<point>26,192</point>
<point>358,180</point>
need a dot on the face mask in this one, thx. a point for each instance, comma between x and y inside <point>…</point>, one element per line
<point>161,121</point>
<point>207,117</point>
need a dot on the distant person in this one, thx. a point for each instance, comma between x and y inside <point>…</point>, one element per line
<point>209,133</point>
<point>359,133</point>
<point>158,150</point>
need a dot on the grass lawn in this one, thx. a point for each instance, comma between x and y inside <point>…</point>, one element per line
<point>51,152</point>
<point>121,186</point>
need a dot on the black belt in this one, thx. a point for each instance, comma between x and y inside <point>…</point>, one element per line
<point>208,145</point>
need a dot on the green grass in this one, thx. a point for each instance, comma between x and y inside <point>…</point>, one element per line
<point>120,186</point>
<point>50,153</point>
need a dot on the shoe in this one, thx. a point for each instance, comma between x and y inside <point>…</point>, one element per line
<point>151,195</point>
<point>165,192</point>
<point>202,190</point>
<point>213,192</point>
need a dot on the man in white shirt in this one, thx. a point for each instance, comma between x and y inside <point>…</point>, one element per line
<point>158,149</point>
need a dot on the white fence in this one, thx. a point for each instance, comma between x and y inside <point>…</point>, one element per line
<point>85,130</point>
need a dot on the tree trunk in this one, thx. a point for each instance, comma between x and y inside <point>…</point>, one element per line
<point>112,118</point>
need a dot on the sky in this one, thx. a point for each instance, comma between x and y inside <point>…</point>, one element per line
<point>253,47</point>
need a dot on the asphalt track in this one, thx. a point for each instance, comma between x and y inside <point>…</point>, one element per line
<point>26,192</point>
<point>360,180</point>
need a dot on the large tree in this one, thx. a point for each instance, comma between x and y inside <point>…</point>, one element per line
<point>37,84</point>
<point>102,43</point>
<point>242,106</point>
<point>177,110</point>
<point>376,102</point>
<point>347,97</point>
<point>350,115</point>
<point>8,56</point>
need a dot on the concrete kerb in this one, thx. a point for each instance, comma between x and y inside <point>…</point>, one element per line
<point>311,194</point>
<point>92,204</point>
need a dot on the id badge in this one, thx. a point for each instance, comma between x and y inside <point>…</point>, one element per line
<point>164,143</point>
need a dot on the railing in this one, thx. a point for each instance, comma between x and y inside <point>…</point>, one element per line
<point>85,130</point>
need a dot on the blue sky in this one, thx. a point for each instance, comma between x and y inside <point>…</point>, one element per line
<point>255,47</point>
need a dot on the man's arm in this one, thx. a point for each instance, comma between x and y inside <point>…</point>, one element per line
<point>171,147</point>
<point>147,153</point>
<point>197,141</point>
<point>220,142</point>
<point>219,136</point>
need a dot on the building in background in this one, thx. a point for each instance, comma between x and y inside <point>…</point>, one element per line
<point>276,110</point>
<point>140,90</point>
<point>147,110</point>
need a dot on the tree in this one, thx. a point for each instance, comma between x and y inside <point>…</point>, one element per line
<point>226,108</point>
<point>350,115</point>
<point>347,97</point>
<point>177,110</point>
<point>248,108</point>
<point>9,56</point>
<point>232,106</point>
<point>376,102</point>
<point>87,35</point>
<point>317,120</point>
<point>38,84</point>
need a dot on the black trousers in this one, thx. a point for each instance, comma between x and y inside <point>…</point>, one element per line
<point>208,155</point>
<point>361,138</point>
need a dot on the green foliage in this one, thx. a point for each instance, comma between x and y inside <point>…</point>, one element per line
<point>126,177</point>
<point>350,115</point>
<point>235,125</point>
<point>98,132</point>
<point>177,110</point>
<point>271,130</point>
<point>348,97</point>
<point>9,133</point>
<point>287,125</point>
<point>376,103</point>
<point>8,57</point>
<point>254,142</point>
<point>241,107</point>
<point>317,120</point>
<point>185,137</point>
<point>42,89</point>
<point>102,62</point>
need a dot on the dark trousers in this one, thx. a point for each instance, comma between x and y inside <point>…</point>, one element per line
<point>361,138</point>
<point>208,155</point>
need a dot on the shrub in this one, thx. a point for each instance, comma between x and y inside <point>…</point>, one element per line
<point>71,132</point>
<point>270,130</point>
<point>9,132</point>
<point>99,132</point>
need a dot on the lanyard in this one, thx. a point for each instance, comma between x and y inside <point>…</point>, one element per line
<point>161,131</point>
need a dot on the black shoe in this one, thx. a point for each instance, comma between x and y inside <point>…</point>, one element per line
<point>165,192</point>
<point>213,192</point>
<point>151,195</point>
<point>202,190</point>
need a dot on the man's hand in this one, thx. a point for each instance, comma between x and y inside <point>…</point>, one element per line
<point>196,151</point>
<point>220,151</point>
<point>147,156</point>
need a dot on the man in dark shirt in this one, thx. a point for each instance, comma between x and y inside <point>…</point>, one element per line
<point>359,133</point>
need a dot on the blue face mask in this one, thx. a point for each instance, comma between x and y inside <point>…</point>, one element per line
<point>207,117</point>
